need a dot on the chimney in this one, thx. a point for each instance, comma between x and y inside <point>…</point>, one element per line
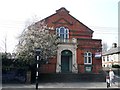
<point>62,10</point>
<point>114,45</point>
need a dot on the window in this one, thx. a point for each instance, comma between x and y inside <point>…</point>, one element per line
<point>87,58</point>
<point>107,58</point>
<point>103,58</point>
<point>62,32</point>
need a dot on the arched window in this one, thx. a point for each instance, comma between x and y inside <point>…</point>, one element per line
<point>62,32</point>
<point>87,58</point>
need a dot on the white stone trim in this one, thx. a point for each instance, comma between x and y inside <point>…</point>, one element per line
<point>72,48</point>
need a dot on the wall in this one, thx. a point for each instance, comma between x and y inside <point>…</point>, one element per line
<point>81,32</point>
<point>110,59</point>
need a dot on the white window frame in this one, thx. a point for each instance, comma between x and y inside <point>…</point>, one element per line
<point>87,56</point>
<point>65,29</point>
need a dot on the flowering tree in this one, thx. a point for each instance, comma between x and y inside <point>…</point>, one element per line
<point>37,35</point>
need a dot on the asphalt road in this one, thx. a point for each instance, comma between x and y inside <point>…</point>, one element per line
<point>64,89</point>
<point>61,86</point>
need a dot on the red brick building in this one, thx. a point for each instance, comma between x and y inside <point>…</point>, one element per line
<point>77,51</point>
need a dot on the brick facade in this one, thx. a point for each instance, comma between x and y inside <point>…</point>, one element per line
<point>85,43</point>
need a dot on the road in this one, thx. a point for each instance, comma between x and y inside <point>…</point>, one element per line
<point>56,86</point>
<point>67,86</point>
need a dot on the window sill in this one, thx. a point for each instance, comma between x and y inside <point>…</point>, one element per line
<point>87,63</point>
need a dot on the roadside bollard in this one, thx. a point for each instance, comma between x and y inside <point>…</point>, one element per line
<point>108,81</point>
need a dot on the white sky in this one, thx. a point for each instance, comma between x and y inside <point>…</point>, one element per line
<point>99,15</point>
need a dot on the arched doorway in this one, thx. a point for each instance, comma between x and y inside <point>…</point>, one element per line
<point>66,61</point>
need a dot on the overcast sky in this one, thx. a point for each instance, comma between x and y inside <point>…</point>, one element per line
<point>99,15</point>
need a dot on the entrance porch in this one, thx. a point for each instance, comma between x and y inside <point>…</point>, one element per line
<point>66,59</point>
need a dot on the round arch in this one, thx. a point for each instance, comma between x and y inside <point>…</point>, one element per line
<point>73,58</point>
<point>66,53</point>
<point>66,61</point>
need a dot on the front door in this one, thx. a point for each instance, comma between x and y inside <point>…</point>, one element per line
<point>66,61</point>
<point>65,64</point>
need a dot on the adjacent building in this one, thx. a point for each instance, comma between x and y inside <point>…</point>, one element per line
<point>77,51</point>
<point>111,57</point>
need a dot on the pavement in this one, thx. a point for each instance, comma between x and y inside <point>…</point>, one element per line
<point>56,86</point>
<point>75,85</point>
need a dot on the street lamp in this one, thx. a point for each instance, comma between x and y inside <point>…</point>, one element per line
<point>37,51</point>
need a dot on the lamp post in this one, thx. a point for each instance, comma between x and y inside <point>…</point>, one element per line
<point>37,51</point>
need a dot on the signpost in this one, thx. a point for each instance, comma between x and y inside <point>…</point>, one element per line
<point>37,51</point>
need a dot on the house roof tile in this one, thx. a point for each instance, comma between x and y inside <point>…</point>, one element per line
<point>112,51</point>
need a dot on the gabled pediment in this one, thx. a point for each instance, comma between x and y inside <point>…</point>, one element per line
<point>63,17</point>
<point>62,21</point>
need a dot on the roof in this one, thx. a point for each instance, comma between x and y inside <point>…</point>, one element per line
<point>112,51</point>
<point>64,10</point>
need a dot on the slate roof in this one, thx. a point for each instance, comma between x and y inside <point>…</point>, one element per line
<point>112,51</point>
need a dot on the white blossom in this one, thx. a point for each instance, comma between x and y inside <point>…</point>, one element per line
<point>36,36</point>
